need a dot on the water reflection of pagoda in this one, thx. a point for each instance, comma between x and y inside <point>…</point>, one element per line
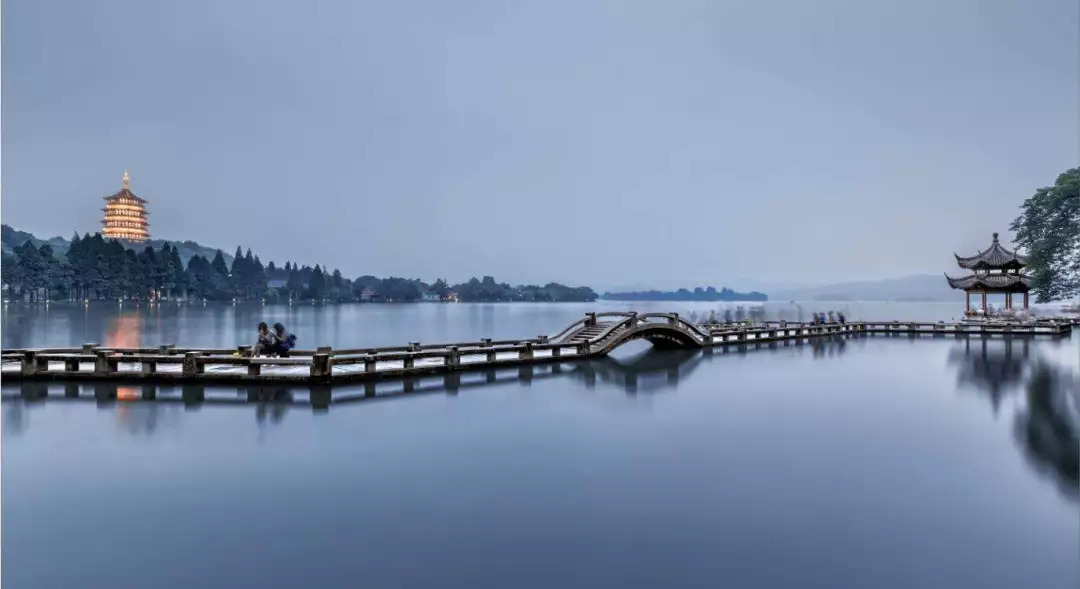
<point>996,368</point>
<point>125,215</point>
<point>1047,426</point>
<point>125,332</point>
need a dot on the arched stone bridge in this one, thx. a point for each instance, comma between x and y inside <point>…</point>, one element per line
<point>603,332</point>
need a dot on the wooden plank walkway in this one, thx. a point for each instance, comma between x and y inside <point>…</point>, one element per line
<point>596,335</point>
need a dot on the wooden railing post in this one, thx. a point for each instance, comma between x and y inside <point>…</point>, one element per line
<point>583,349</point>
<point>71,364</point>
<point>149,366</point>
<point>104,362</point>
<point>491,355</point>
<point>556,352</point>
<point>253,368</point>
<point>29,363</point>
<point>414,346</point>
<point>526,351</point>
<point>89,348</point>
<point>673,319</point>
<point>370,364</point>
<point>192,366</point>
<point>453,357</point>
<point>321,367</point>
<point>408,362</point>
<point>590,319</point>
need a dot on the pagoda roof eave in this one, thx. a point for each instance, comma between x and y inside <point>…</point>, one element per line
<point>125,193</point>
<point>992,257</point>
<point>991,282</point>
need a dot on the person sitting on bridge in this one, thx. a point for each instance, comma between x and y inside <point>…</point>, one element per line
<point>284,341</point>
<point>840,317</point>
<point>266,341</point>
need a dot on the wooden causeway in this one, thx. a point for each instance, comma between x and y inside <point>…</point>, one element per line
<point>595,335</point>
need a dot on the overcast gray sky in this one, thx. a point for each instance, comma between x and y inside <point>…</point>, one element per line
<point>620,142</point>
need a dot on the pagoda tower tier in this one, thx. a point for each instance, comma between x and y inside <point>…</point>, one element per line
<point>125,215</point>
<point>994,270</point>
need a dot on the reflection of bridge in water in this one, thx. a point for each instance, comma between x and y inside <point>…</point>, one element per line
<point>1047,425</point>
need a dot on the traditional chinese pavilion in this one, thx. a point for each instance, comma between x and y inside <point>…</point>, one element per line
<point>125,215</point>
<point>994,270</point>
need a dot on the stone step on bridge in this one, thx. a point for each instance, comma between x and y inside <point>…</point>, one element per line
<point>596,334</point>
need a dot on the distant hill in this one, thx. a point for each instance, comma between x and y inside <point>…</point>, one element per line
<point>698,294</point>
<point>921,287</point>
<point>13,238</point>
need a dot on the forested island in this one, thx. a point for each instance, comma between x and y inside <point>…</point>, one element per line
<point>92,268</point>
<point>698,294</point>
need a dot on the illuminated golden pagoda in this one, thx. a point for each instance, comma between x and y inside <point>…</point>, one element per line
<point>125,215</point>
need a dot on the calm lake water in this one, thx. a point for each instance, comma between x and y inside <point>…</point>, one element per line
<point>870,463</point>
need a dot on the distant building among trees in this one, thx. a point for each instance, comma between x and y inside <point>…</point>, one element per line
<point>125,215</point>
<point>91,267</point>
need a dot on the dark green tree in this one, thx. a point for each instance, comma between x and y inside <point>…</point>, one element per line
<point>317,286</point>
<point>1049,229</point>
<point>294,284</point>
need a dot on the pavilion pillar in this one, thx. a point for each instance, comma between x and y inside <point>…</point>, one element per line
<point>984,302</point>
<point>1025,301</point>
<point>1008,300</point>
<point>967,301</point>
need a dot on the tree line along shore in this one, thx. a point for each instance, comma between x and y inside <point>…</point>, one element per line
<point>91,267</point>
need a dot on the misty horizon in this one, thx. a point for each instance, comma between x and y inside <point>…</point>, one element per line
<point>666,146</point>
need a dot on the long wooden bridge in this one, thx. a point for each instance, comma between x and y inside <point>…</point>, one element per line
<point>595,335</point>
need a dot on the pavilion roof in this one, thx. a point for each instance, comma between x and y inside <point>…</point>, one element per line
<point>994,256</point>
<point>990,281</point>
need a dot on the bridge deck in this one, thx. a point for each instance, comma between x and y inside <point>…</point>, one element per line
<point>594,336</point>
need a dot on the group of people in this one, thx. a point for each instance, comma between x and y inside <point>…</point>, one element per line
<point>828,318</point>
<point>740,315</point>
<point>273,342</point>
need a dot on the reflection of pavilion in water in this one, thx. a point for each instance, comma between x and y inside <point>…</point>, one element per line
<point>996,368</point>
<point>1047,428</point>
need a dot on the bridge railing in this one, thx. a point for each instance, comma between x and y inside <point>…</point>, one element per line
<point>588,320</point>
<point>676,320</point>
